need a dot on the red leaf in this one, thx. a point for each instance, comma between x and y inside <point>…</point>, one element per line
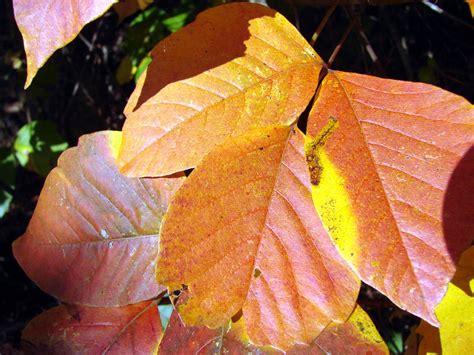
<point>93,238</point>
<point>66,329</point>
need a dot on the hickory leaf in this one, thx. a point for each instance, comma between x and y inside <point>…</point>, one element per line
<point>47,25</point>
<point>93,237</point>
<point>235,68</point>
<point>67,329</point>
<point>381,171</point>
<point>242,233</point>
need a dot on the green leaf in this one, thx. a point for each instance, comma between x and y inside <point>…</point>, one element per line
<point>38,145</point>
<point>7,179</point>
<point>174,23</point>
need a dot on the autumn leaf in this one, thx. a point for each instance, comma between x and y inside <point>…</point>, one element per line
<point>455,313</point>
<point>47,25</point>
<point>382,157</point>
<point>357,335</point>
<point>235,68</point>
<point>471,6</point>
<point>93,238</point>
<point>125,8</point>
<point>181,339</point>
<point>242,233</point>
<point>70,329</point>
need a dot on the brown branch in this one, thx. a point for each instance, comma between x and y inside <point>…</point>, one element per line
<point>341,42</point>
<point>323,23</point>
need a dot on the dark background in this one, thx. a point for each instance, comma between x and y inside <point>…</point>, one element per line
<point>77,90</point>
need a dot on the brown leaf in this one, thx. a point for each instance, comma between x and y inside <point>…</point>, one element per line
<point>93,238</point>
<point>237,67</point>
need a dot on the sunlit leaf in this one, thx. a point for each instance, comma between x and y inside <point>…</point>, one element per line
<point>242,233</point>
<point>65,329</point>
<point>7,179</point>
<point>455,313</point>
<point>382,165</point>
<point>471,6</point>
<point>357,335</point>
<point>38,145</point>
<point>235,68</point>
<point>47,25</point>
<point>181,339</point>
<point>93,237</point>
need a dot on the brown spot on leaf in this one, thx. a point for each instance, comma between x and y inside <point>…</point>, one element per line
<point>313,150</point>
<point>235,318</point>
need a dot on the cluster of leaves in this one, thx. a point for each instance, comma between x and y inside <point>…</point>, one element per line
<point>264,246</point>
<point>36,148</point>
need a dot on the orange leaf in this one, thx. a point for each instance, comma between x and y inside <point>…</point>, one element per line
<point>83,330</point>
<point>237,67</point>
<point>242,233</point>
<point>357,335</point>
<point>180,339</point>
<point>471,6</point>
<point>93,237</point>
<point>381,168</point>
<point>47,25</point>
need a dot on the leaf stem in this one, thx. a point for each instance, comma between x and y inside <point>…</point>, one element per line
<point>341,42</point>
<point>323,23</point>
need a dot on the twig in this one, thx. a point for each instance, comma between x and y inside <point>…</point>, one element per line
<point>323,23</point>
<point>440,11</point>
<point>341,42</point>
<point>366,44</point>
<point>401,48</point>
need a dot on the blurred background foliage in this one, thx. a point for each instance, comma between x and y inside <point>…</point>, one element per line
<point>84,87</point>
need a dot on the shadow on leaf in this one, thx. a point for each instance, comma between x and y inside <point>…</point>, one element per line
<point>216,37</point>
<point>458,207</point>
